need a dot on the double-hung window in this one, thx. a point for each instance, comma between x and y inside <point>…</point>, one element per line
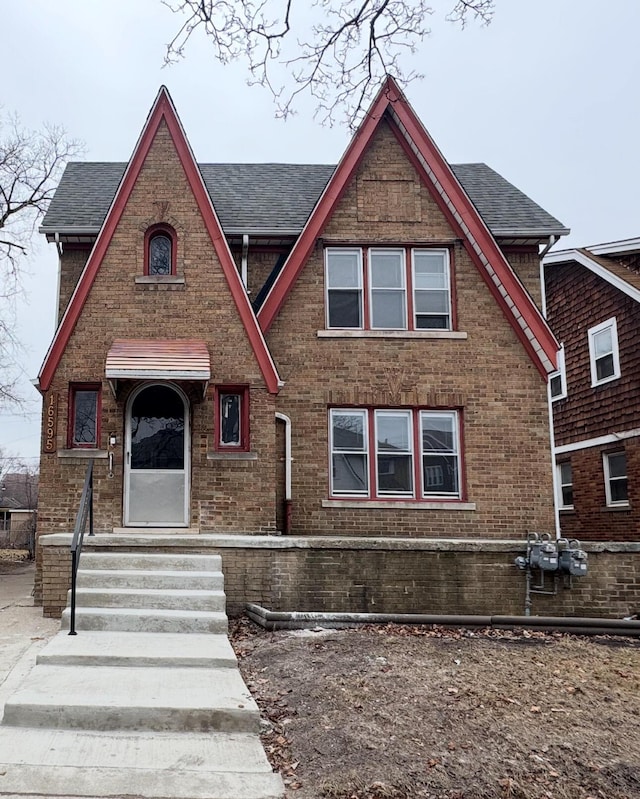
<point>558,379</point>
<point>603,352</point>
<point>565,486</point>
<point>615,479</point>
<point>395,453</point>
<point>388,288</point>
<point>84,416</point>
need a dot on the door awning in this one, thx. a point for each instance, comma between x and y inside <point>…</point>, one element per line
<point>158,359</point>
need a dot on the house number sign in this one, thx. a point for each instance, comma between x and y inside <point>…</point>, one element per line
<point>51,422</point>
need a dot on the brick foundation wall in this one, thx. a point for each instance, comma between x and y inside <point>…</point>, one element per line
<point>386,576</point>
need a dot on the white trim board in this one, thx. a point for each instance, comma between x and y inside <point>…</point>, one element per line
<point>586,443</point>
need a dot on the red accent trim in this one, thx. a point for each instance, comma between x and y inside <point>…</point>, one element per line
<point>154,230</point>
<point>391,96</point>
<point>73,390</point>
<point>245,439</point>
<point>162,110</point>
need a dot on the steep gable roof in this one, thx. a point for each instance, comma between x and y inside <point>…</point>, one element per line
<point>162,110</point>
<point>277,199</point>
<point>513,298</point>
<point>606,267</point>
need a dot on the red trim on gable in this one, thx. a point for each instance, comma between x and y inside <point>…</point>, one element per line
<point>388,95</point>
<point>162,110</point>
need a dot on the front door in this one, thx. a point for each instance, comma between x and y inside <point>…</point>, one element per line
<point>156,482</point>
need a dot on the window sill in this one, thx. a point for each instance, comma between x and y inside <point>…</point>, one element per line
<point>232,456</point>
<point>153,279</point>
<point>96,454</point>
<point>393,504</point>
<point>432,334</point>
<point>567,510</point>
<point>615,508</point>
<point>605,382</point>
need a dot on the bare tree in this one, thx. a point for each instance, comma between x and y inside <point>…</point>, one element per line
<point>31,163</point>
<point>336,50</point>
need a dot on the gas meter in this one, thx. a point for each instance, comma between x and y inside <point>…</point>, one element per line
<point>544,554</point>
<point>572,559</point>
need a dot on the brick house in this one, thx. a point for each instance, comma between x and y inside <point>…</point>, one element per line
<point>350,356</point>
<point>593,306</point>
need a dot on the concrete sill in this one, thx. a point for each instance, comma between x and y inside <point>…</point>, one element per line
<point>155,279</point>
<point>432,334</point>
<point>86,454</point>
<point>394,505</point>
<point>232,456</point>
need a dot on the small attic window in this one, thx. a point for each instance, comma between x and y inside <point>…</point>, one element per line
<point>160,251</point>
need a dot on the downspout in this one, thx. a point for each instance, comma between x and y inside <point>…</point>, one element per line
<point>244,270</point>
<point>552,435</point>
<point>59,248</point>
<point>287,471</point>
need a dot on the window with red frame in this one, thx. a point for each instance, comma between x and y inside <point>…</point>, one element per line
<point>388,288</point>
<point>84,415</point>
<point>395,453</point>
<point>160,251</point>
<point>232,418</point>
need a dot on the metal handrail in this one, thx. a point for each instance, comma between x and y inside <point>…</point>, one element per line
<point>85,511</point>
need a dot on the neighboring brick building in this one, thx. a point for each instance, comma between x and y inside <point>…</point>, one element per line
<point>389,331</point>
<point>593,306</point>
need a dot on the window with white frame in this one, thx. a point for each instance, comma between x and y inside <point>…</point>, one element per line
<point>558,379</point>
<point>603,352</point>
<point>615,478</point>
<point>395,453</point>
<point>388,288</point>
<point>565,486</point>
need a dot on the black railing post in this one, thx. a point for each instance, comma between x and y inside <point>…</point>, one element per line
<point>85,511</point>
<point>72,622</point>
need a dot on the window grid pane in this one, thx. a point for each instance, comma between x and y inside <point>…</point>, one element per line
<point>431,290</point>
<point>616,477</point>
<point>349,452</point>
<point>566,485</point>
<point>387,279</point>
<point>344,288</point>
<point>440,455</point>
<point>85,415</point>
<point>230,420</point>
<point>160,255</point>
<point>394,452</point>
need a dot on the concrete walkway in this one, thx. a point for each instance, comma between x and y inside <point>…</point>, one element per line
<point>125,711</point>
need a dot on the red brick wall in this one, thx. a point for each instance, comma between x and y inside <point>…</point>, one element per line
<point>591,519</point>
<point>237,494</point>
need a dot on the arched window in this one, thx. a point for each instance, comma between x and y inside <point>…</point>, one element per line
<point>160,251</point>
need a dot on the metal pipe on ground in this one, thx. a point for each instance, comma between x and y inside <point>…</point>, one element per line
<point>296,620</point>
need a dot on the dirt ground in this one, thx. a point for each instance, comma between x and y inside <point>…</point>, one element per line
<point>398,712</point>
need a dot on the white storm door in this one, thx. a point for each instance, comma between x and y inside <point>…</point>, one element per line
<point>157,458</point>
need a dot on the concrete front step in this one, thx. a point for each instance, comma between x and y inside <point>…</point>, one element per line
<point>146,578</point>
<point>123,698</point>
<point>150,598</point>
<point>139,650</point>
<point>150,620</point>
<point>141,764</point>
<point>165,561</point>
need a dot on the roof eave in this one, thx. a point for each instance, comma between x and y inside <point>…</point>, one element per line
<point>528,233</point>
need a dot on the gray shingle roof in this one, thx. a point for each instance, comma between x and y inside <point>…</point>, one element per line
<point>278,198</point>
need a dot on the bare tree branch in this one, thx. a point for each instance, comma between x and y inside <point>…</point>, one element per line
<point>338,51</point>
<point>31,163</point>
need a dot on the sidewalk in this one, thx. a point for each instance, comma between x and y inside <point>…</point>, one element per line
<point>23,629</point>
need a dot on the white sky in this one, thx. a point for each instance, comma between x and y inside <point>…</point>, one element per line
<point>547,95</point>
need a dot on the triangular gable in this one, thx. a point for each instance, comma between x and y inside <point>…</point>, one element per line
<point>608,269</point>
<point>162,109</point>
<point>524,316</point>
